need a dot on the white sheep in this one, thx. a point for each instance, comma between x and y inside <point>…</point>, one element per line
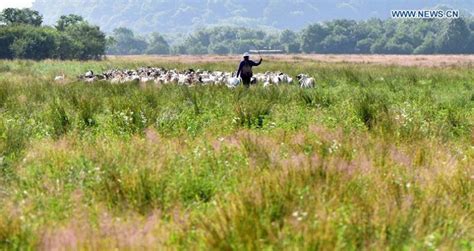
<point>305,81</point>
<point>60,78</point>
<point>189,77</point>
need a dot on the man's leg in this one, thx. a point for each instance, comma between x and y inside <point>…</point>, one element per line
<point>246,81</point>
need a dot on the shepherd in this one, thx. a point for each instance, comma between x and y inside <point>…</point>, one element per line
<point>245,69</point>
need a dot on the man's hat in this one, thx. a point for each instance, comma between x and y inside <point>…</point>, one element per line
<point>246,54</point>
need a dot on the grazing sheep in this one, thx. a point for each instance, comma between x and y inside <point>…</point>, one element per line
<point>275,80</point>
<point>285,78</point>
<point>90,79</point>
<point>89,74</point>
<point>146,79</point>
<point>266,82</point>
<point>253,80</point>
<point>174,78</point>
<point>60,78</point>
<point>206,80</point>
<point>116,80</point>
<point>305,81</point>
<point>184,79</point>
<point>189,77</point>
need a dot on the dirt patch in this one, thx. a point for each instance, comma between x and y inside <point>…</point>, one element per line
<point>403,60</point>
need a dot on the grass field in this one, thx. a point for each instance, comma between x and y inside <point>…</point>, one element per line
<point>376,157</point>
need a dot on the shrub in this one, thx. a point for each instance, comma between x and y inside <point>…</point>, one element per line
<point>252,112</point>
<point>59,119</point>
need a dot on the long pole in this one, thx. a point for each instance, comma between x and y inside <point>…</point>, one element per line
<point>258,51</point>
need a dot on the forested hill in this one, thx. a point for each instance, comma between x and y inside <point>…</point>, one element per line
<point>168,16</point>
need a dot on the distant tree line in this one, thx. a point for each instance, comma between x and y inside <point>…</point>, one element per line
<point>23,36</point>
<point>123,41</point>
<point>374,36</point>
<point>216,40</point>
<point>449,36</point>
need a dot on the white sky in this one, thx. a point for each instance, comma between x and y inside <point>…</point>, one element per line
<point>15,4</point>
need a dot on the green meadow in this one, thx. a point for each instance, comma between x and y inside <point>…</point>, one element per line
<point>375,157</point>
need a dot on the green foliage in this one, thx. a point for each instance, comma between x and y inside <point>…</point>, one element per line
<point>252,113</point>
<point>34,43</point>
<point>66,21</point>
<point>125,43</point>
<point>27,42</point>
<point>227,39</point>
<point>338,36</point>
<point>372,106</point>
<point>388,37</point>
<point>427,47</point>
<point>312,37</point>
<point>59,119</point>
<point>88,41</point>
<point>12,16</point>
<point>219,49</point>
<point>73,38</point>
<point>7,37</point>
<point>454,37</point>
<point>157,45</point>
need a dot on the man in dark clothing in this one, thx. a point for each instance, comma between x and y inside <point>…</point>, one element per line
<point>245,69</point>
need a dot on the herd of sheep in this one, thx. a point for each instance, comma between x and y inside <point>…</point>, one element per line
<point>191,77</point>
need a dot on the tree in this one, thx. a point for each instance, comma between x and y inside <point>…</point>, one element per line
<point>27,42</point>
<point>287,37</point>
<point>34,44</point>
<point>7,37</point>
<point>157,45</point>
<point>223,34</point>
<point>366,33</point>
<point>378,47</point>
<point>340,38</point>
<point>293,47</point>
<point>88,41</point>
<point>126,43</point>
<point>454,37</point>
<point>363,45</point>
<point>470,44</point>
<point>219,49</point>
<point>289,41</point>
<point>272,41</point>
<point>427,47</point>
<point>241,46</point>
<point>179,49</point>
<point>24,38</point>
<point>197,49</point>
<point>471,23</point>
<point>311,38</point>
<point>66,21</point>
<point>12,16</point>
<point>392,47</point>
<point>66,47</point>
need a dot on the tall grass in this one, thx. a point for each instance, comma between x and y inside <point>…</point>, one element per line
<point>375,157</point>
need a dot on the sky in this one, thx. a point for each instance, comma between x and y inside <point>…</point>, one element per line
<point>15,4</point>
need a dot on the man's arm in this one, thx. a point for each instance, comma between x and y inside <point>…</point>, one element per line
<point>239,70</point>
<point>259,62</point>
